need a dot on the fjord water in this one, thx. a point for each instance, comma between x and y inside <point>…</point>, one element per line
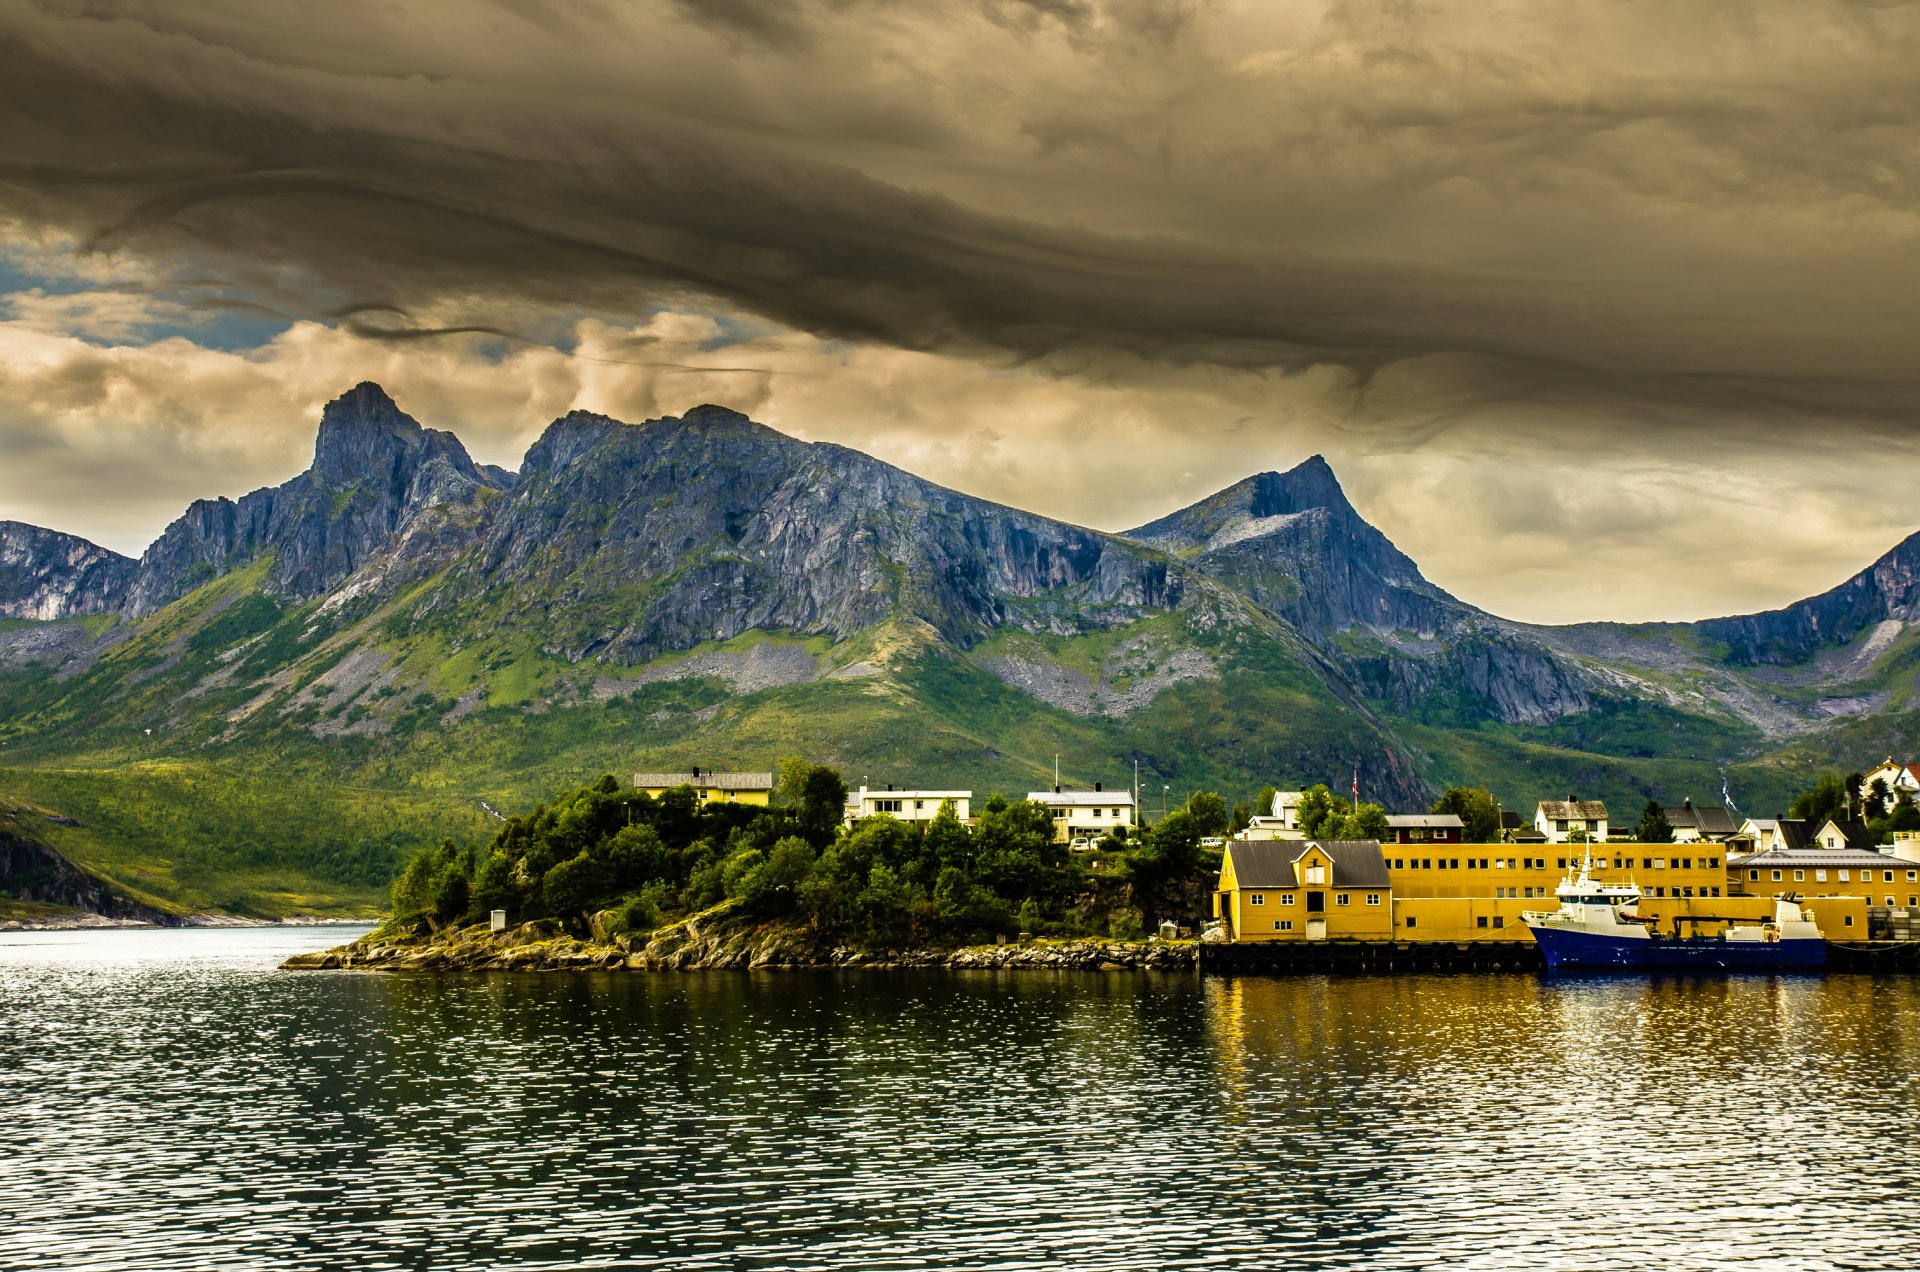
<point>173,1101</point>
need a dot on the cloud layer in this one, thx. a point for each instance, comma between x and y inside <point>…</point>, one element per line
<point>1625,291</point>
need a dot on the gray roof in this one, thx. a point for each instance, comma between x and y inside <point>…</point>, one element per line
<point>1815,856</point>
<point>1425,821</point>
<point>1268,863</point>
<point>1708,819</point>
<point>720,781</point>
<point>1574,809</point>
<point>1854,831</point>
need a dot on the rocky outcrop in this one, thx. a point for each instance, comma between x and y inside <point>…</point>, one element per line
<point>32,871</point>
<point>717,939</point>
<point>631,541</point>
<point>381,488</point>
<point>47,575</point>
<point>1889,589</point>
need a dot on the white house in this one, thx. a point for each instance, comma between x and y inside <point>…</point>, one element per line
<point>1557,819</point>
<point>1897,777</point>
<point>1282,821</point>
<point>1086,813</point>
<point>908,806</point>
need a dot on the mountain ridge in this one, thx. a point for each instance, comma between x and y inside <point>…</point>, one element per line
<point>702,588</point>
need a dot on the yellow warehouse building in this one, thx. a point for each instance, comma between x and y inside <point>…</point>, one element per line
<point>1307,890</point>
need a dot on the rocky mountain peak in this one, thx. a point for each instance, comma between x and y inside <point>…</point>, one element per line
<point>365,437</point>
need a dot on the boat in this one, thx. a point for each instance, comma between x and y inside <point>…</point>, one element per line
<point>1597,926</point>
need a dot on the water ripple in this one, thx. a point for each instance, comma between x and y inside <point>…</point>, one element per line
<point>174,1102</point>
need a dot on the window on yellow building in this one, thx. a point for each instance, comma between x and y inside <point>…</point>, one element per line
<point>1889,880</point>
<point>1913,876</point>
<point>1799,876</point>
<point>1340,898</point>
<point>1481,921</point>
<point>1819,876</point>
<point>1844,876</point>
<point>1889,900</point>
<point>1776,876</point>
<point>1411,922</point>
<point>1256,898</point>
<point>1316,874</point>
<point>1499,920</point>
<point>1373,898</point>
<point>1283,925</point>
<point>1286,898</point>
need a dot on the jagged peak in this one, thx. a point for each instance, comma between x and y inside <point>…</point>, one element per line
<point>363,433</point>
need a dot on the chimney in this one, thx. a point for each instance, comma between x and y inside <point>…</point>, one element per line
<point>889,785</point>
<point>696,772</point>
<point>1096,788</point>
<point>1056,790</point>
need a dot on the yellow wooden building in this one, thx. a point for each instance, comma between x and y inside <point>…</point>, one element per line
<point>711,787</point>
<point>1305,890</point>
<point>1476,892</point>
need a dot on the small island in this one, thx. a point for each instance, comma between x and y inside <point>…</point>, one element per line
<point>609,877</point>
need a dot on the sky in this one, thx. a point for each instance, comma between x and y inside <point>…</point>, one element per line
<point>1600,310</point>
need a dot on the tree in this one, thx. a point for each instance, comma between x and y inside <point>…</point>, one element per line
<point>1369,821</point>
<point>574,886</point>
<point>1209,811</point>
<point>1875,799</point>
<point>1242,816</point>
<point>1654,826</point>
<point>772,886</point>
<point>822,805</point>
<point>1476,808</point>
<point>1827,798</point>
<point>1317,807</point>
<point>1173,846</point>
<point>1263,801</point>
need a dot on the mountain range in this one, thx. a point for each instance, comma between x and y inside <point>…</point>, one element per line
<point>287,691</point>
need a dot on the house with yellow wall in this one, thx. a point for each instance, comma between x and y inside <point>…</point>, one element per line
<point>710,787</point>
<point>1454,892</point>
<point>1304,890</point>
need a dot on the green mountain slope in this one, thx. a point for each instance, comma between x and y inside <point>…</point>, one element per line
<point>289,693</point>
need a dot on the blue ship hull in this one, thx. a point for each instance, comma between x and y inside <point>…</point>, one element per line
<point>1585,950</point>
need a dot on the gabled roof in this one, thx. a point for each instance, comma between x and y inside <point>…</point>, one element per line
<point>1794,832</point>
<point>1571,809</point>
<point>1269,863</point>
<point>1709,819</point>
<point>1425,821</point>
<point>1855,832</point>
<point>715,781</point>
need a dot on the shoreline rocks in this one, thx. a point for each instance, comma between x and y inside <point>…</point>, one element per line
<point>714,941</point>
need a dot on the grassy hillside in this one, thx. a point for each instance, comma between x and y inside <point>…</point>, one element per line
<point>233,753</point>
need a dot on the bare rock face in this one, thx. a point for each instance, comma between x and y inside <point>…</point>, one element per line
<point>637,540</point>
<point>1889,589</point>
<point>377,478</point>
<point>47,575</point>
<point>32,871</point>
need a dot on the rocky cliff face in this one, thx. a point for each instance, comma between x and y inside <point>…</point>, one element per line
<point>381,488</point>
<point>46,575</point>
<point>635,540</point>
<point>32,871</point>
<point>1887,589</point>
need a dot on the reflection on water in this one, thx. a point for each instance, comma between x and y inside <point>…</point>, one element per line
<point>175,1102</point>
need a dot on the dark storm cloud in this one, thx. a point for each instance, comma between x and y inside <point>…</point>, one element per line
<point>1713,199</point>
